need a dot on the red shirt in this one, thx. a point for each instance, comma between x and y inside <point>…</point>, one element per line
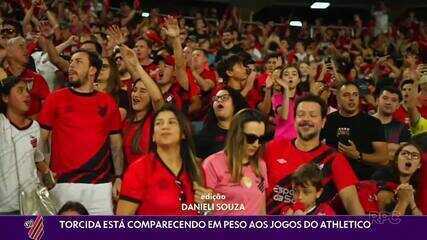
<point>206,96</point>
<point>261,80</point>
<point>193,88</point>
<point>151,184</point>
<point>173,96</point>
<point>401,115</point>
<point>129,131</point>
<point>323,209</point>
<point>283,159</point>
<point>81,124</point>
<point>150,67</point>
<point>253,98</point>
<point>39,90</point>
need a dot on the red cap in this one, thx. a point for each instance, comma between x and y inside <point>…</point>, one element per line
<point>153,36</point>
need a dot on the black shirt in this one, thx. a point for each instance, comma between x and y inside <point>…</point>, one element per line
<point>224,53</point>
<point>364,129</point>
<point>210,140</point>
<point>396,132</point>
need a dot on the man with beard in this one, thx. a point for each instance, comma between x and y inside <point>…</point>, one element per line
<point>85,126</point>
<point>283,157</point>
<point>396,132</point>
<point>359,136</point>
<point>229,46</point>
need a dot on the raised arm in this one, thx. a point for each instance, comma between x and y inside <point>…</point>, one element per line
<point>53,54</point>
<point>138,72</point>
<point>172,31</point>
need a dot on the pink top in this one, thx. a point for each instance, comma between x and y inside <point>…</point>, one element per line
<point>285,129</point>
<point>249,192</point>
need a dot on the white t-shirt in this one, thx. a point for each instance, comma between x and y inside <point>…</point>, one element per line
<point>45,68</point>
<point>25,145</point>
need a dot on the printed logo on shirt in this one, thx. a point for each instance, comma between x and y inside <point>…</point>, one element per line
<point>282,161</point>
<point>102,110</point>
<point>169,99</point>
<point>33,141</point>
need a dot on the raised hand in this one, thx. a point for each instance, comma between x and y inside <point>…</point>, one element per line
<point>129,58</point>
<point>115,35</point>
<point>171,28</point>
<point>73,40</point>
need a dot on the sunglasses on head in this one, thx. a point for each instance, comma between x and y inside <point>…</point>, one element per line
<point>252,138</point>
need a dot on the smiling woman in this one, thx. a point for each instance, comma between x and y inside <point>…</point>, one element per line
<point>161,182</point>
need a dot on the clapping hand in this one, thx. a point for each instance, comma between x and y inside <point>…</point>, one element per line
<point>129,58</point>
<point>171,27</point>
<point>115,35</point>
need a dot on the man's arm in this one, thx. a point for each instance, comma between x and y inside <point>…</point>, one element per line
<point>205,84</point>
<point>350,200</point>
<point>116,145</point>
<point>53,54</point>
<point>380,155</point>
<point>118,159</point>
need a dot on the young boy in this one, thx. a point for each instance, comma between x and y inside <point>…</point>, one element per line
<point>307,188</point>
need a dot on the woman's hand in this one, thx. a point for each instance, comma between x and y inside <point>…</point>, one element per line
<point>200,193</point>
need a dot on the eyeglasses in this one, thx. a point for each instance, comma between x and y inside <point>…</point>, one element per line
<point>6,31</point>
<point>221,98</point>
<point>181,197</point>
<point>252,138</point>
<point>411,155</point>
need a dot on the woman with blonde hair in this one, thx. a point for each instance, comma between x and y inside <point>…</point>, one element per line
<point>238,174</point>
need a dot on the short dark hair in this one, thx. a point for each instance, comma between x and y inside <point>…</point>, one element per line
<point>6,85</point>
<point>404,82</point>
<point>227,64</point>
<point>390,90</point>
<point>308,174</point>
<point>345,84</point>
<point>314,99</point>
<point>98,46</point>
<point>94,60</point>
<point>73,206</point>
<point>271,55</point>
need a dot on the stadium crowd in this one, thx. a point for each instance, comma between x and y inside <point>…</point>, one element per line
<point>116,113</point>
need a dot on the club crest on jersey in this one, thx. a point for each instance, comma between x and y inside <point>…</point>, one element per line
<point>281,161</point>
<point>33,141</point>
<point>102,110</point>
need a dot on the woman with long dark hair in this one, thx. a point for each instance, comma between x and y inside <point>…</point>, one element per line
<point>161,181</point>
<point>225,104</point>
<point>238,174</point>
<point>145,98</point>
<point>399,181</point>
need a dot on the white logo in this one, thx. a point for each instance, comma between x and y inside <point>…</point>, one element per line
<point>282,161</point>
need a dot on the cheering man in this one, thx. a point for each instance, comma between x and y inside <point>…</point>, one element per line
<point>284,157</point>
<point>85,127</point>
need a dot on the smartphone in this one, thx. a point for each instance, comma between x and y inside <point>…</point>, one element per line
<point>343,135</point>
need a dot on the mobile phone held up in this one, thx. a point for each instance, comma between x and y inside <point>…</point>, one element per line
<point>343,135</point>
